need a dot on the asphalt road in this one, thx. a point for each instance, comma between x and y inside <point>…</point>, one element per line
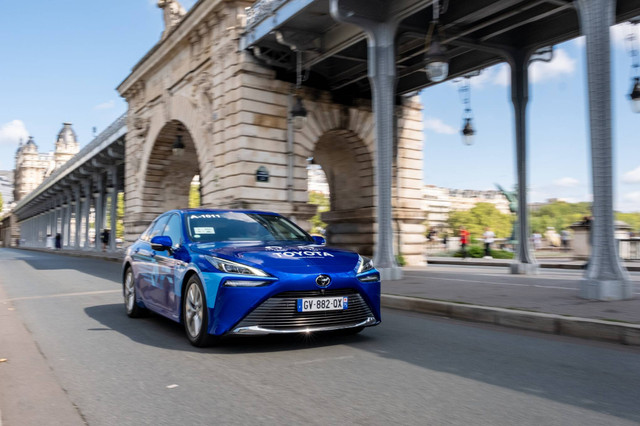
<point>412,369</point>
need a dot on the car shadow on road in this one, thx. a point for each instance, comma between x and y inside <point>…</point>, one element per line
<point>45,261</point>
<point>161,332</point>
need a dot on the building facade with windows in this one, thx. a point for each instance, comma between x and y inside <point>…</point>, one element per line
<point>33,167</point>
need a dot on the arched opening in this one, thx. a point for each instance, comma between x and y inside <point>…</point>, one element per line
<point>171,170</point>
<point>348,167</point>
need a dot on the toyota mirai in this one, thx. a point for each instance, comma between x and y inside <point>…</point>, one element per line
<point>226,272</point>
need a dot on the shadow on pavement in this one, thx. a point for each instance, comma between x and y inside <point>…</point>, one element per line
<point>158,331</point>
<point>54,261</point>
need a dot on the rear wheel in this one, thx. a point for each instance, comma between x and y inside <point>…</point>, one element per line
<point>195,314</point>
<point>129,293</point>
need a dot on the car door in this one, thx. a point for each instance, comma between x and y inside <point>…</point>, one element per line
<point>147,264</point>
<point>163,293</point>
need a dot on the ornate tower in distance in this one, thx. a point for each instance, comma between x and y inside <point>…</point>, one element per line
<point>32,168</point>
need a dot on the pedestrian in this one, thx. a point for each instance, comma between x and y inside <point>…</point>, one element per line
<point>444,240</point>
<point>565,236</point>
<point>105,238</point>
<point>537,240</point>
<point>464,240</point>
<point>58,241</point>
<point>489,238</point>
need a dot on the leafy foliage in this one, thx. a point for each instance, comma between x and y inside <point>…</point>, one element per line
<point>476,251</point>
<point>320,200</point>
<point>482,215</point>
<point>559,215</point>
<point>1,202</point>
<point>633,219</point>
<point>194,195</point>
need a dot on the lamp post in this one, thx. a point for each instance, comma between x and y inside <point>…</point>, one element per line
<point>634,96</point>
<point>436,61</point>
<point>467,131</point>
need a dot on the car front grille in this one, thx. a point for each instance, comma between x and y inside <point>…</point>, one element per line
<point>279,313</point>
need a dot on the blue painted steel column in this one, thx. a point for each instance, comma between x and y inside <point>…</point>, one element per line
<point>371,16</point>
<point>605,278</point>
<point>525,262</point>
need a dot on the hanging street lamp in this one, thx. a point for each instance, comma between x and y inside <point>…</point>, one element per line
<point>436,60</point>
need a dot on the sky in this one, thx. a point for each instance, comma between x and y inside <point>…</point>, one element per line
<point>64,62</point>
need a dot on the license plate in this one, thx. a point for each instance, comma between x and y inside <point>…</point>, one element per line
<point>323,304</point>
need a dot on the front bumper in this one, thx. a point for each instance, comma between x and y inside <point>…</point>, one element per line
<point>279,314</point>
<point>272,308</point>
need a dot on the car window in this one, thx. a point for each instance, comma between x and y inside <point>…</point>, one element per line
<point>145,235</point>
<point>240,226</point>
<point>174,230</point>
<point>158,227</point>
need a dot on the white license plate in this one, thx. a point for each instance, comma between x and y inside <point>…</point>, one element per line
<point>323,304</point>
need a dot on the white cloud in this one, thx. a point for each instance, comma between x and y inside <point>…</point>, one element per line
<point>567,182</point>
<point>632,176</point>
<point>561,64</point>
<point>503,76</point>
<point>633,197</point>
<point>106,105</point>
<point>12,132</point>
<point>438,126</point>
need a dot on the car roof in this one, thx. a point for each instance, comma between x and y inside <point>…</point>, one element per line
<point>201,210</point>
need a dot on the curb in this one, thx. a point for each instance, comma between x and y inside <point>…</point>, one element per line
<point>445,261</point>
<point>610,331</point>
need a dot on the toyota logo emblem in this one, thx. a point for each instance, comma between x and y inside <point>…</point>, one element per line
<point>323,280</point>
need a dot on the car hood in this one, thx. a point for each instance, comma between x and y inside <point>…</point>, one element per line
<point>290,258</point>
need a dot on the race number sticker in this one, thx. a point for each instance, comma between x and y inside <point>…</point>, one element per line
<point>204,230</point>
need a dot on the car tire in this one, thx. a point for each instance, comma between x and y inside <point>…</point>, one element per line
<point>130,296</point>
<point>195,315</point>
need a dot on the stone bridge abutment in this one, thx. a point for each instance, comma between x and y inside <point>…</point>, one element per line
<point>232,116</point>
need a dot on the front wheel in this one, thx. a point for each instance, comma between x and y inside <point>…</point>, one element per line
<point>129,293</point>
<point>195,314</point>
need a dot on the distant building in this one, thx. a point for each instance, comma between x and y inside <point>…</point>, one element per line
<point>6,189</point>
<point>33,167</point>
<point>317,180</point>
<point>440,202</point>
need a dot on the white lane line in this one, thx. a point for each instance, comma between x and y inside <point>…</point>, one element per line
<point>323,360</point>
<point>51,296</point>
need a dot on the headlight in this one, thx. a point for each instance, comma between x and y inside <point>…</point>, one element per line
<point>364,265</point>
<point>235,267</point>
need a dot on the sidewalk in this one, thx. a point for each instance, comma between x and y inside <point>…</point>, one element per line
<point>547,303</point>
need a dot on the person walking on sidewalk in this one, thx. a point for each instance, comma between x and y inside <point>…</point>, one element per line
<point>464,240</point>
<point>489,238</point>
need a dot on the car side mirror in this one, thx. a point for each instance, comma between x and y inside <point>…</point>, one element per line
<point>319,240</point>
<point>161,243</point>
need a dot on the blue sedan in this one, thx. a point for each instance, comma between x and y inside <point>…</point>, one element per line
<point>226,272</point>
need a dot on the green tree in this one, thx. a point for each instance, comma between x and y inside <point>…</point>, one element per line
<point>320,200</point>
<point>633,219</point>
<point>194,195</point>
<point>120,216</point>
<point>481,216</point>
<point>1,202</point>
<point>559,215</point>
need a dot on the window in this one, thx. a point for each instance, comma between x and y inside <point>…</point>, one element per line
<point>174,230</point>
<point>238,226</point>
<point>158,227</point>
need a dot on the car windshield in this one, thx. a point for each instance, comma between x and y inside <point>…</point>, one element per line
<point>239,226</point>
